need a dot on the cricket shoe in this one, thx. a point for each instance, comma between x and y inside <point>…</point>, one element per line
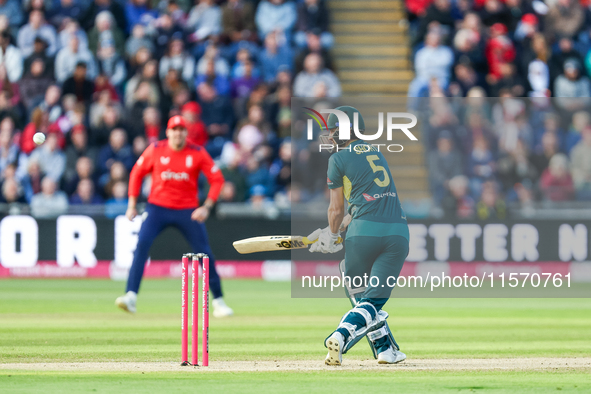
<point>334,344</point>
<point>220,309</point>
<point>127,302</point>
<point>391,356</point>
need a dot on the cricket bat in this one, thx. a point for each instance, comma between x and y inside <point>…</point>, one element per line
<point>272,243</point>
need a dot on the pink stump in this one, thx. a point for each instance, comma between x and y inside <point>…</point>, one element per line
<point>205,311</point>
<point>185,310</point>
<point>195,311</point>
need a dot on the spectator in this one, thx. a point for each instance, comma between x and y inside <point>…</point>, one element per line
<point>84,169</point>
<point>280,170</point>
<point>238,21</point>
<point>580,120</point>
<point>11,57</point>
<point>117,150</point>
<point>51,103</point>
<point>482,165</point>
<point>167,30</point>
<point>98,6</point>
<point>549,147</point>
<point>515,167</point>
<point>49,203</point>
<point>117,204</point>
<point>152,124</point>
<point>11,89</point>
<point>197,131</point>
<point>458,203</point>
<point>34,84</point>
<point>438,14</point>
<point>220,82</point>
<point>494,11</point>
<point>313,16</point>
<point>212,54</point>
<point>137,40</point>
<point>443,165</point>
<point>565,19</point>
<point>37,27</point>
<point>50,157</point>
<point>580,165</point>
<point>79,84</point>
<point>117,173</point>
<point>69,57</point>
<point>499,51</point>
<point>218,116</point>
<point>111,120</point>
<point>313,41</point>
<point>85,194</point>
<point>8,148</point>
<point>572,84</point>
<point>39,52</point>
<point>176,58</point>
<point>274,57</point>
<point>12,192</point>
<point>38,124</point>
<point>433,61</point>
<point>314,73</point>
<point>491,206</point>
<point>558,59</point>
<point>556,183</point>
<point>13,10</point>
<point>31,179</point>
<point>276,16</point>
<point>78,148</point>
<point>65,12</point>
<point>205,20</point>
<point>234,175</point>
<point>257,174</point>
<point>137,12</point>
<point>243,86</point>
<point>106,29</point>
<point>148,74</point>
<point>111,64</point>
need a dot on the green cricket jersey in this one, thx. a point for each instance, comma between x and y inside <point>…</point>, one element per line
<point>362,171</point>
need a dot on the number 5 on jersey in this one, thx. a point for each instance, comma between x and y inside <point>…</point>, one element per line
<point>376,168</point>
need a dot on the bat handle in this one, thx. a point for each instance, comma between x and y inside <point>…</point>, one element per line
<point>306,241</point>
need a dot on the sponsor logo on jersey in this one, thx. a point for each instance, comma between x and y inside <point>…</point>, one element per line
<point>189,161</point>
<point>164,160</point>
<point>328,181</point>
<point>140,161</point>
<point>368,197</point>
<point>214,169</point>
<point>175,176</point>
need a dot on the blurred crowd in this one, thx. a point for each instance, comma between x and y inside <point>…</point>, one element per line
<point>525,48</point>
<point>490,154</point>
<point>486,154</point>
<point>101,78</point>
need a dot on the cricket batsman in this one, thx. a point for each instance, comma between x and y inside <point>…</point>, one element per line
<point>175,166</point>
<point>376,243</point>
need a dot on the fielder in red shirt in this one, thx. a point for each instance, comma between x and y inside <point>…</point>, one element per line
<point>175,166</point>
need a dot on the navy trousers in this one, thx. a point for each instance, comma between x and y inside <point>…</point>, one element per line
<point>158,219</point>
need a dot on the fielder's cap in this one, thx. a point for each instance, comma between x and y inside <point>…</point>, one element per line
<point>176,121</point>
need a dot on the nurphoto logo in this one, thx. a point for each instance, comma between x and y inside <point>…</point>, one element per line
<point>344,128</point>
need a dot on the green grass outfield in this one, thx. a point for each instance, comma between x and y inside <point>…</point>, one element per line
<point>64,321</point>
